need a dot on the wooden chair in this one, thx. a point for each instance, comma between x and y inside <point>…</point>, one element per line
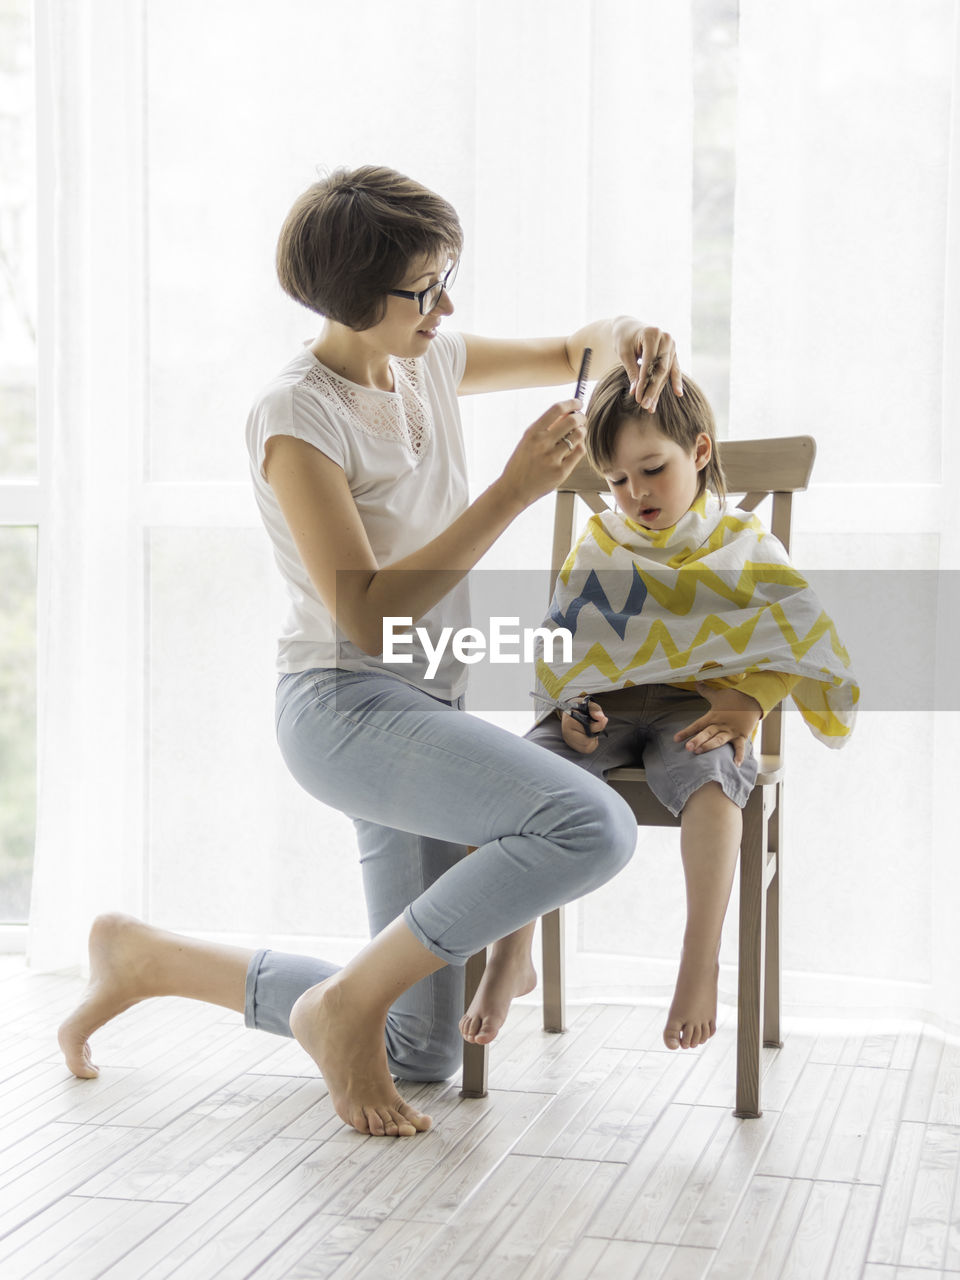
<point>758,469</point>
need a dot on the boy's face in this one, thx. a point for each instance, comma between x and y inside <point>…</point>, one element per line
<point>653,479</point>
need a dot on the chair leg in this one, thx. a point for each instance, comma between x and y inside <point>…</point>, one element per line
<point>751,975</point>
<point>771,981</point>
<point>475,1056</point>
<point>554,976</point>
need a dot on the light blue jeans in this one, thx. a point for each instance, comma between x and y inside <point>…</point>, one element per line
<point>421,781</point>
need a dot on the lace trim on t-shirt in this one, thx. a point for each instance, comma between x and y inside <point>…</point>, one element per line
<point>404,416</point>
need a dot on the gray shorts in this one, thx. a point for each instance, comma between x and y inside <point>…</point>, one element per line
<point>642,722</point>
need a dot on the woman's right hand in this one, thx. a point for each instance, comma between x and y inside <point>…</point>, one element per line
<point>548,451</point>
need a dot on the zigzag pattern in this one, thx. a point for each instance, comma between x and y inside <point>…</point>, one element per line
<point>717,538</point>
<point>593,593</point>
<point>822,626</point>
<point>659,637</point>
<point>680,597</point>
<point>656,539</point>
<point>822,718</point>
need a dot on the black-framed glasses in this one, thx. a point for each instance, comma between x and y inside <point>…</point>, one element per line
<point>428,298</point>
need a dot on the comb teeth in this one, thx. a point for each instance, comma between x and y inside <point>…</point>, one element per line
<point>582,376</point>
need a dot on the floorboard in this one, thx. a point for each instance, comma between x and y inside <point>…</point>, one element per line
<point>208,1150</point>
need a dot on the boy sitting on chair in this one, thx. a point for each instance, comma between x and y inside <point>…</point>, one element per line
<point>689,625</point>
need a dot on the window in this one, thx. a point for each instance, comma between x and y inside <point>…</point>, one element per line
<point>18,463</point>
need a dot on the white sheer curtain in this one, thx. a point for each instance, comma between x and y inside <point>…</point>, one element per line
<point>846,298</point>
<point>91,415</point>
<point>175,136</point>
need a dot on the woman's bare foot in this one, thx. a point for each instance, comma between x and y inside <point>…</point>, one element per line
<point>346,1042</point>
<point>120,976</point>
<point>509,973</point>
<point>692,1018</point>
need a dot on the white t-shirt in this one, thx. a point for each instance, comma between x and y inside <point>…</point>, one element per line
<point>403,455</point>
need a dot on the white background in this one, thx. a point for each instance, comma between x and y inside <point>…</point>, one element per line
<point>173,138</point>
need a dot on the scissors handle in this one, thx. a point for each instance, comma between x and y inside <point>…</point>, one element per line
<point>580,713</point>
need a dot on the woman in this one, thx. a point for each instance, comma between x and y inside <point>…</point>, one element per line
<point>358,467</point>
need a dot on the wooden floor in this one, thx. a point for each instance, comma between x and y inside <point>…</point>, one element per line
<point>205,1150</point>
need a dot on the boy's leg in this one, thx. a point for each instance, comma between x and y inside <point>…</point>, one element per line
<point>508,973</point>
<point>709,791</point>
<point>710,832</point>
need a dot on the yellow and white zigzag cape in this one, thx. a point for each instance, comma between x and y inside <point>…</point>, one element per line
<point>714,595</point>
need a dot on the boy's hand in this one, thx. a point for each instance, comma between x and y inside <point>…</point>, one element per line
<point>732,717</point>
<point>574,734</point>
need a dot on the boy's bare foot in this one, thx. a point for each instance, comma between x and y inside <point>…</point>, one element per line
<point>509,973</point>
<point>692,1018</point>
<point>347,1044</point>
<point>120,976</point>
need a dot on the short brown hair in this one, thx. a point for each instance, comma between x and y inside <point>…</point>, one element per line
<point>680,418</point>
<point>354,234</point>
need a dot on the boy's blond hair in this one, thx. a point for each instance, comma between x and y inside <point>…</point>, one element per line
<point>680,418</point>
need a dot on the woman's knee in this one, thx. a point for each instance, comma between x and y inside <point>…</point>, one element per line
<point>599,827</point>
<point>620,832</point>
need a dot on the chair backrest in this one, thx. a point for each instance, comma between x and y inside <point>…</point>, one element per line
<point>775,468</point>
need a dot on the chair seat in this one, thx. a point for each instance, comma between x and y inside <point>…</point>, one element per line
<point>771,771</point>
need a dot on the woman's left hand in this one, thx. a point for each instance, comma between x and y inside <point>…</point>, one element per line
<point>649,356</point>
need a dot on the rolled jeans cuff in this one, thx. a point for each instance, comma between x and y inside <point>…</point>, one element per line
<point>449,957</point>
<point>250,989</point>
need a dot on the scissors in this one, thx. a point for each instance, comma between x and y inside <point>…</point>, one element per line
<point>580,712</point>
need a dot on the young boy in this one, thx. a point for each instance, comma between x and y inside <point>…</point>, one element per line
<point>689,624</point>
